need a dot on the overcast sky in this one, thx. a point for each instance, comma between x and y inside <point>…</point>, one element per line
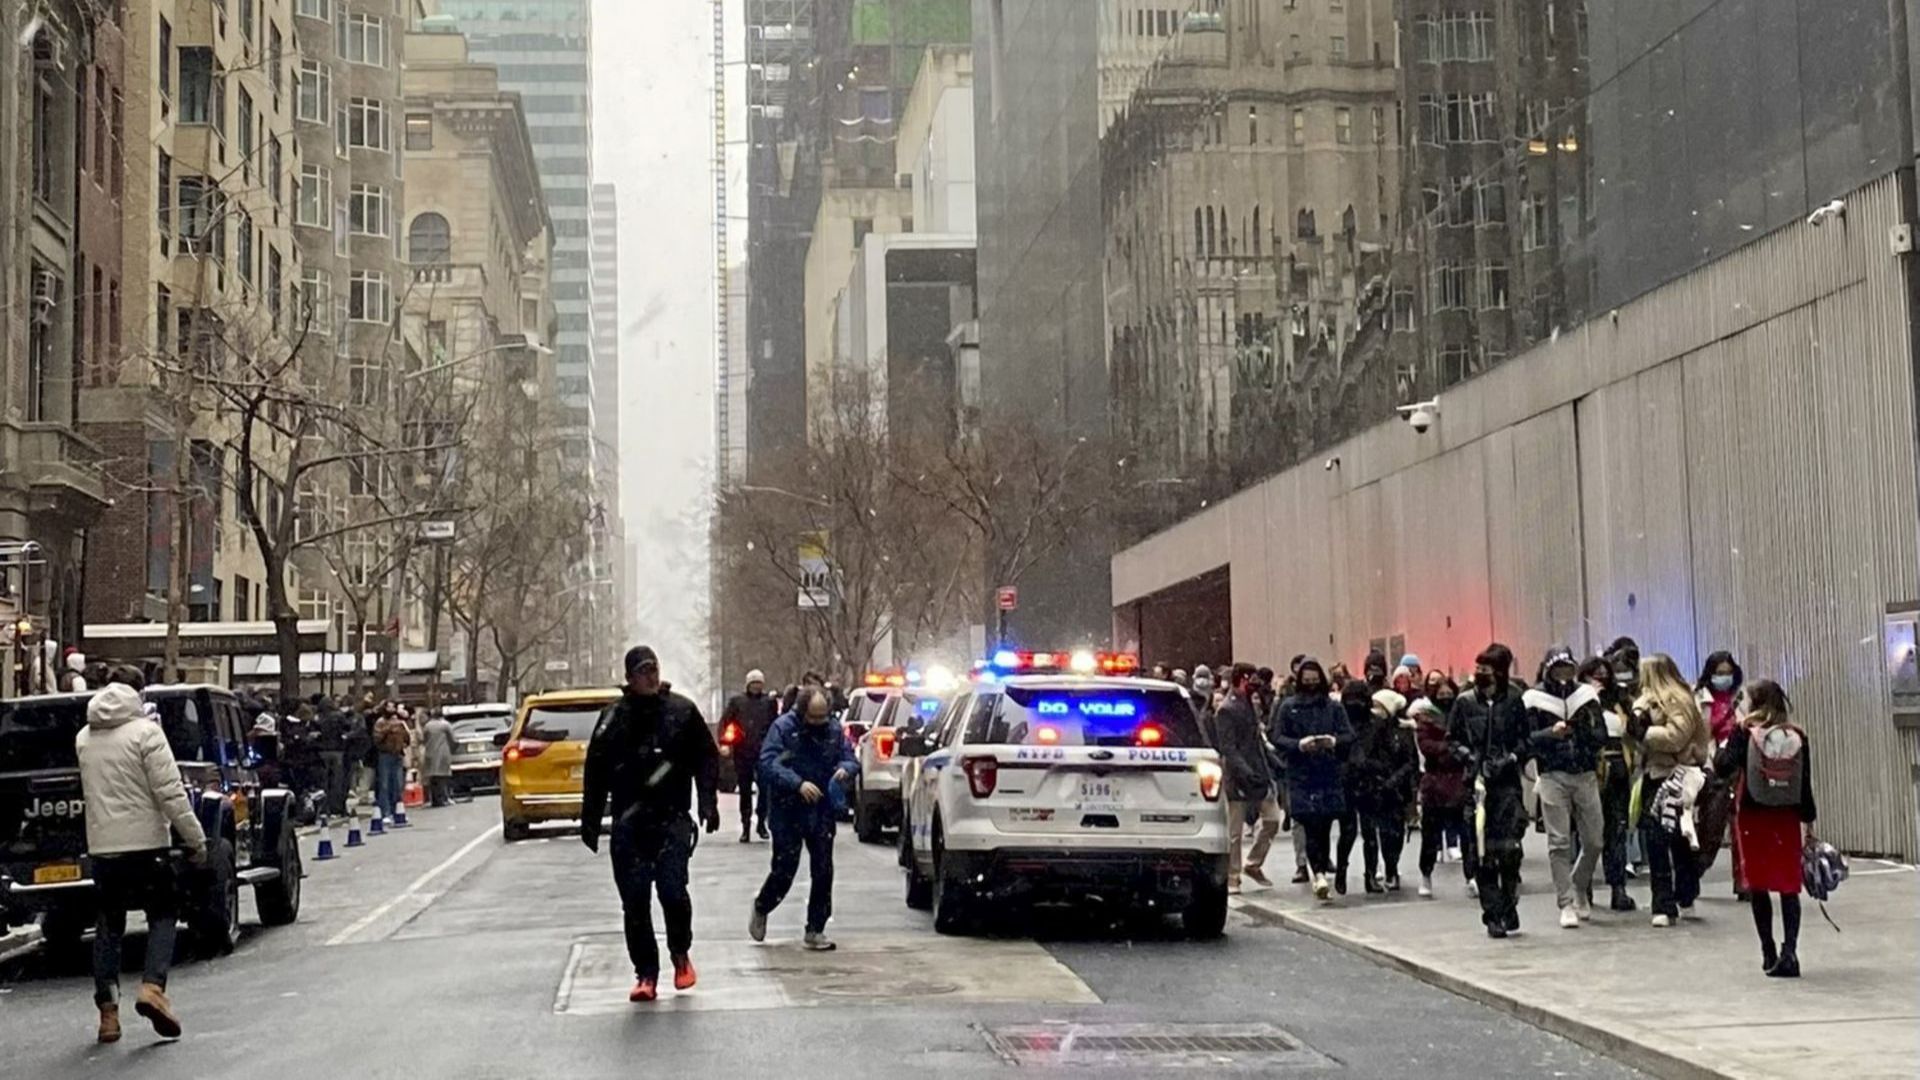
<point>653,138</point>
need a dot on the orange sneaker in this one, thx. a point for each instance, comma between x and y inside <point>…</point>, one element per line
<point>644,990</point>
<point>683,974</point>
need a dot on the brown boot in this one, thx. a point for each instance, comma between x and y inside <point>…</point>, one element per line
<point>153,1004</point>
<point>109,1023</point>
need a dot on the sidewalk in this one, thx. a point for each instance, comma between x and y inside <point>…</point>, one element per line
<point>1683,1002</point>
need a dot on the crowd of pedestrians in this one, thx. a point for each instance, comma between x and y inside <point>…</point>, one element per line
<point>334,753</point>
<point>1629,770</point>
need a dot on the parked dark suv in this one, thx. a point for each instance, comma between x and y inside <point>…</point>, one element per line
<point>44,869</point>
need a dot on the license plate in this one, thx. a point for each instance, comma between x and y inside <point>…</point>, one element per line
<point>1099,793</point>
<point>474,747</point>
<point>54,875</point>
<point>577,772</point>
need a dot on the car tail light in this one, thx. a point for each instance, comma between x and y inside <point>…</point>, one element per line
<point>1210,775</point>
<point>520,749</point>
<point>983,773</point>
<point>730,734</point>
<point>883,742</point>
<point>1150,735</point>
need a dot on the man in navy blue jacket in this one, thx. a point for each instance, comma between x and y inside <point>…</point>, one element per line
<point>805,758</point>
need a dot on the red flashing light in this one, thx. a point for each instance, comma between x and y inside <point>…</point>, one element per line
<point>1047,735</point>
<point>1150,735</point>
<point>896,680</point>
<point>730,734</point>
<point>874,678</point>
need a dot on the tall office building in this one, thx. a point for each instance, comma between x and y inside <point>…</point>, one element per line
<point>604,262</point>
<point>543,49</point>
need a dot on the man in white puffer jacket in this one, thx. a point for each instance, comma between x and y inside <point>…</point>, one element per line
<point>135,802</point>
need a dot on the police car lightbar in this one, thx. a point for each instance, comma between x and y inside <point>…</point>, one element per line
<point>885,678</point>
<point>1077,662</point>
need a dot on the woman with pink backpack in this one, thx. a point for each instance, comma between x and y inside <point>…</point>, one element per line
<point>1766,756</point>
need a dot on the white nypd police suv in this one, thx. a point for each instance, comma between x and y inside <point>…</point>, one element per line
<point>1061,777</point>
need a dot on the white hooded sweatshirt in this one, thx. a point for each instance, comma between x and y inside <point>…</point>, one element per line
<point>131,781</point>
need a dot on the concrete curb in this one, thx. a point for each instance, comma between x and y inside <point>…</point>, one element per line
<point>1649,1059</point>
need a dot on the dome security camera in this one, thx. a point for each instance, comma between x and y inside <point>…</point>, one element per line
<point>1421,415</point>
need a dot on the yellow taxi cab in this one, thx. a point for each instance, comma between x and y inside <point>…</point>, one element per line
<point>543,758</point>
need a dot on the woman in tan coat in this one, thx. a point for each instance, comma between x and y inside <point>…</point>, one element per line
<point>1672,733</point>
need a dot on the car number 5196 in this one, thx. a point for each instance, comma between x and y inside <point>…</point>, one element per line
<point>1099,793</point>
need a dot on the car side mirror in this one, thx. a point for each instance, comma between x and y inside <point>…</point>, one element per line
<point>500,738</point>
<point>912,744</point>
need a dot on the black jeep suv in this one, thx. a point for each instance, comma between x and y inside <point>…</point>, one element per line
<point>44,869</point>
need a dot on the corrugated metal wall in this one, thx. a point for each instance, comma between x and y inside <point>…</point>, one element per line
<point>1728,462</point>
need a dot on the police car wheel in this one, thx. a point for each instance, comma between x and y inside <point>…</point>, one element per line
<point>1206,914</point>
<point>950,899</point>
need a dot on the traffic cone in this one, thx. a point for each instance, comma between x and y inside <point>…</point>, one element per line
<point>326,842</point>
<point>414,793</point>
<point>400,816</point>
<point>374,825</point>
<point>353,832</point>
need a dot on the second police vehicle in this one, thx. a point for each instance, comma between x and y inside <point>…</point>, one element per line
<point>1060,776</point>
<point>877,713</point>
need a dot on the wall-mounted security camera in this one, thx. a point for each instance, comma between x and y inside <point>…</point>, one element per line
<point>1421,415</point>
<point>1332,464</point>
<point>1821,215</point>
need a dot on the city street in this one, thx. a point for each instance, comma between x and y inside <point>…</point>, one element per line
<point>443,952</point>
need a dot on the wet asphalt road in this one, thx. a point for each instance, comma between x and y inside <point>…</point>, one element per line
<point>445,952</point>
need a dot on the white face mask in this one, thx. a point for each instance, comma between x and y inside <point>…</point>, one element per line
<point>1722,683</point>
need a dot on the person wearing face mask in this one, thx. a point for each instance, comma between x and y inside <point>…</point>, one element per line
<point>1443,784</point>
<point>1250,798</point>
<point>1489,733</point>
<point>1270,726</point>
<point>1374,669</point>
<point>1312,735</point>
<point>1382,772</point>
<point>806,763</point>
<point>650,752</point>
<point>1568,731</point>
<point>1614,775</point>
<point>1673,735</point>
<point>1768,760</point>
<point>1719,695</point>
<point>1338,676</point>
<point>1419,676</point>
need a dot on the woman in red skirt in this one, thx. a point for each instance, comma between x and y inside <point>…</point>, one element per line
<point>1772,819</point>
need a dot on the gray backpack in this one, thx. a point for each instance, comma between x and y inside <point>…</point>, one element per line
<point>1775,774</point>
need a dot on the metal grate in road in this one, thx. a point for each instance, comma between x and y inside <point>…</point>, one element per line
<point>1232,1046</point>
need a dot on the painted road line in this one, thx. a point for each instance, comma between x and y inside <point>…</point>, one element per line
<point>413,889</point>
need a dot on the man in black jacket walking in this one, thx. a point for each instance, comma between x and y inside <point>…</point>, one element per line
<point>1250,791</point>
<point>650,752</point>
<point>1489,732</point>
<point>743,727</point>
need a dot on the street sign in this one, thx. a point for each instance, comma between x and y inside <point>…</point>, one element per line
<point>1007,597</point>
<point>559,665</point>
<point>816,577</point>
<point>436,531</point>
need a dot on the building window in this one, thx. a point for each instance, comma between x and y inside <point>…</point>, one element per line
<point>203,227</point>
<point>243,248</point>
<point>165,54</point>
<point>429,240</point>
<point>1299,127</point>
<point>1379,125</point>
<point>314,103</point>
<point>276,171</point>
<point>163,199</point>
<point>246,135</point>
<point>367,212</point>
<point>367,124</point>
<point>1403,310</point>
<point>1452,286</point>
<point>316,196</point>
<point>1455,364</point>
<point>276,61</point>
<point>1535,226</point>
<point>367,299</point>
<point>316,300</point>
<point>1343,125</point>
<point>363,40</point>
<point>1494,285</point>
<point>367,383</point>
<point>419,131</point>
<point>1337,49</point>
<point>314,9</point>
<point>197,80</point>
<point>275,286</point>
<point>1458,37</point>
<point>1493,202</point>
<point>40,341</point>
<point>246,20</point>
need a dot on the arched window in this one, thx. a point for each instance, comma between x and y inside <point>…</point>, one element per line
<point>1199,234</point>
<point>1256,232</point>
<point>1210,232</point>
<point>429,240</point>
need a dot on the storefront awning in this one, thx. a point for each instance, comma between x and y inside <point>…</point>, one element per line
<point>323,663</point>
<point>147,641</point>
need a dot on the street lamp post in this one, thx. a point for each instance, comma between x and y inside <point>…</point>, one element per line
<point>526,344</point>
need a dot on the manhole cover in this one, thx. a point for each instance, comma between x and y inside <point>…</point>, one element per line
<point>1213,1046</point>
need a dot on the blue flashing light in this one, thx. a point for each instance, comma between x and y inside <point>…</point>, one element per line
<point>1123,708</point>
<point>1006,658</point>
